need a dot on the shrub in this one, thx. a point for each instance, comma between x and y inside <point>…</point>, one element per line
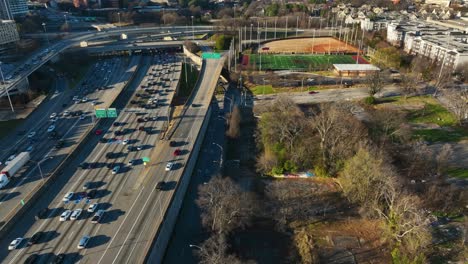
<point>370,100</point>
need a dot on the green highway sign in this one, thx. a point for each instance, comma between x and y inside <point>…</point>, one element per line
<point>146,159</point>
<point>111,112</point>
<point>211,55</point>
<point>100,113</point>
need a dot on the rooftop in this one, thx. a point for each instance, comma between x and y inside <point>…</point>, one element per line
<point>356,67</point>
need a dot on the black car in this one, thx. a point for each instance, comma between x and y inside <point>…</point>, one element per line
<point>103,140</point>
<point>42,213</point>
<point>32,259</point>
<point>131,148</point>
<point>91,194</point>
<point>59,258</point>
<point>59,144</point>
<point>172,144</point>
<point>84,165</point>
<point>118,133</point>
<point>140,120</point>
<point>110,155</point>
<point>110,165</point>
<point>35,238</point>
<point>160,185</point>
<point>142,128</point>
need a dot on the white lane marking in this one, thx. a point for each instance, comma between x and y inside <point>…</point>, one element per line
<point>120,227</point>
<point>133,226</point>
<point>35,167</point>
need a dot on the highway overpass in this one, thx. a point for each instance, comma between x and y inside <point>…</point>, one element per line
<point>35,62</point>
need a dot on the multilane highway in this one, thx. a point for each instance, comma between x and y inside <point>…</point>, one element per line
<point>69,128</point>
<point>115,193</point>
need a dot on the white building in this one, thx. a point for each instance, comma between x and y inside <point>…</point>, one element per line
<point>8,32</point>
<point>443,44</point>
<point>370,25</point>
<point>442,3</point>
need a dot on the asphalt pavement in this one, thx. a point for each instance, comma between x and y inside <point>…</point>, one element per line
<point>120,194</point>
<point>69,129</point>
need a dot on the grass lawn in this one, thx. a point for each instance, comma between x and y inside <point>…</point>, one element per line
<point>297,62</point>
<point>427,110</point>
<point>7,126</point>
<point>458,173</point>
<point>268,89</point>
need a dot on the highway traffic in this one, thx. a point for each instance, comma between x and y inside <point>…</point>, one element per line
<point>109,172</point>
<point>50,133</point>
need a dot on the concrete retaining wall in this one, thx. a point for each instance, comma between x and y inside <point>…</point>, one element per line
<point>197,60</point>
<point>163,235</point>
<point>40,189</point>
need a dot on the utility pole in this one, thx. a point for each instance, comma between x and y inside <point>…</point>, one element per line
<point>276,19</point>
<point>286,32</point>
<point>297,25</point>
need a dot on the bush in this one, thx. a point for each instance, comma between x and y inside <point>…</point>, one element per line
<point>277,170</point>
<point>320,171</point>
<point>370,100</point>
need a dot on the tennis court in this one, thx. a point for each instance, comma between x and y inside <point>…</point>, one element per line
<point>297,62</point>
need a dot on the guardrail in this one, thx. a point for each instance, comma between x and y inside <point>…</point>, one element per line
<point>39,190</point>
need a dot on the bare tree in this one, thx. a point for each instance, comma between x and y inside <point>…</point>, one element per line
<point>234,123</point>
<point>365,178</point>
<point>375,83</point>
<point>390,122</point>
<point>339,133</point>
<point>266,161</point>
<point>224,205</point>
<point>463,71</point>
<point>408,84</point>
<point>214,251</point>
<point>458,103</point>
<point>444,156</point>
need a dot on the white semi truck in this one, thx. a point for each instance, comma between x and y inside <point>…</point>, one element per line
<point>13,167</point>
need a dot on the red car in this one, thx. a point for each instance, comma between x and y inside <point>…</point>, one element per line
<point>177,152</point>
<point>98,132</point>
<point>313,92</point>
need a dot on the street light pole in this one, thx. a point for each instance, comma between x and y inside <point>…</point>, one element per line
<point>6,89</point>
<point>45,32</point>
<point>66,22</point>
<point>118,14</point>
<point>221,157</point>
<point>195,246</point>
<point>193,30</point>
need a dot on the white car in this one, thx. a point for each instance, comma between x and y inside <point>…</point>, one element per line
<point>125,142</point>
<point>169,166</point>
<point>65,215</point>
<point>12,157</point>
<point>53,115</point>
<point>92,208</point>
<point>66,113</point>
<point>76,214</point>
<point>15,243</point>
<point>51,128</point>
<point>68,197</point>
<point>54,119</point>
<point>84,100</point>
<point>75,98</point>
<point>31,135</point>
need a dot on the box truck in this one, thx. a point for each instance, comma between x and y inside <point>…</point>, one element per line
<point>13,167</point>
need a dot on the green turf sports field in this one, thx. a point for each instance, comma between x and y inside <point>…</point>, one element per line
<point>298,62</point>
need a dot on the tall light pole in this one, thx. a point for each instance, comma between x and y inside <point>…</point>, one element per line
<point>221,157</point>
<point>193,30</point>
<point>251,25</point>
<point>195,246</point>
<point>118,14</point>
<point>297,25</point>
<point>38,164</point>
<point>276,19</point>
<point>66,21</point>
<point>45,32</point>
<point>6,89</point>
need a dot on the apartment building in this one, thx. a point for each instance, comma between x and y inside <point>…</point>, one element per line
<point>373,25</point>
<point>444,44</point>
<point>12,8</point>
<point>8,32</point>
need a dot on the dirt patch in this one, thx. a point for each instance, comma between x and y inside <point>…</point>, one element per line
<point>308,45</point>
<point>349,241</point>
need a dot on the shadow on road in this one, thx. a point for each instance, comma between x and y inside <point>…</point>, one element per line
<point>112,216</point>
<point>8,196</point>
<point>98,241</point>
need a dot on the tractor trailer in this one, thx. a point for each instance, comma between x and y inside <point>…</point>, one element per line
<point>13,167</point>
